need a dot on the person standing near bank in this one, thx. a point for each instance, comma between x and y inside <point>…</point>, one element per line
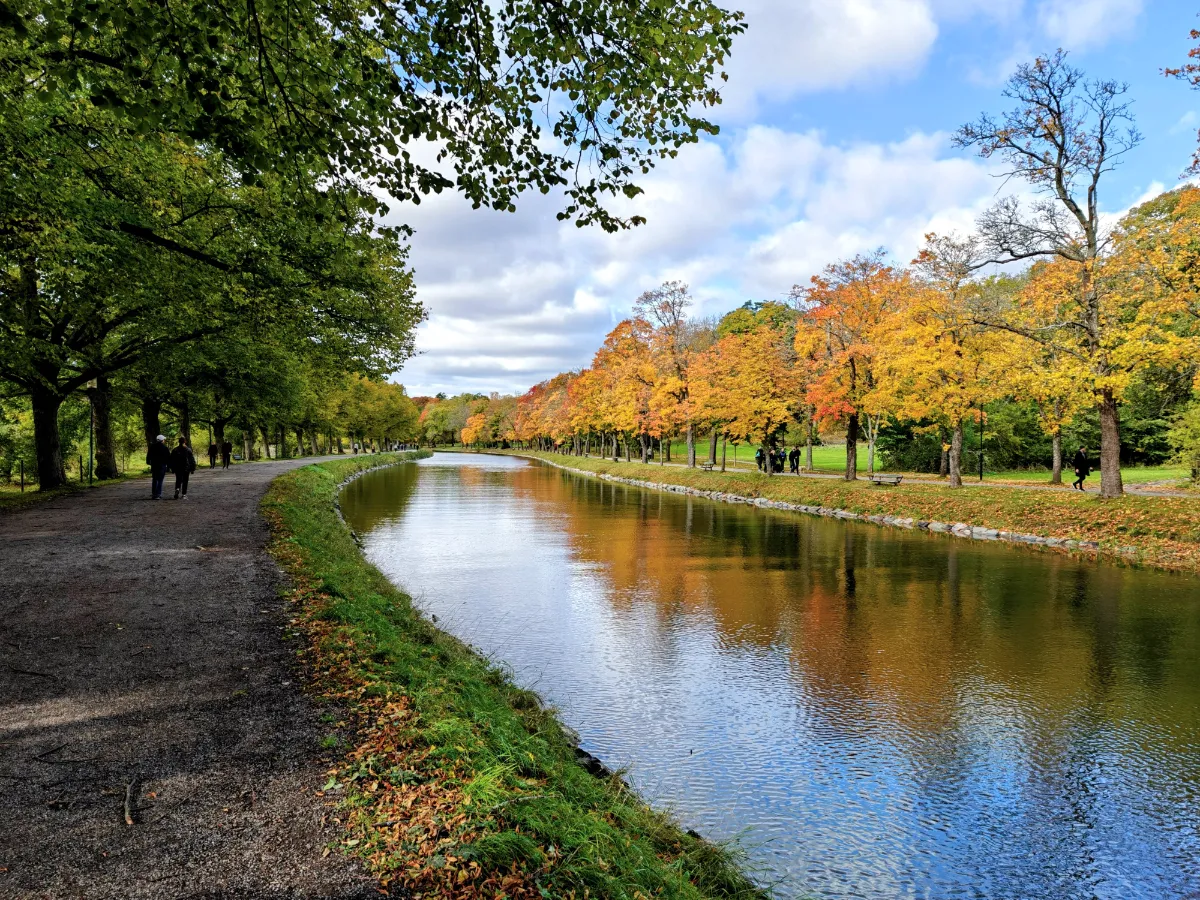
<point>158,458</point>
<point>183,464</point>
<point>1082,468</point>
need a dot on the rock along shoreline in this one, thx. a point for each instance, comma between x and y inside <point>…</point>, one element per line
<point>954,529</point>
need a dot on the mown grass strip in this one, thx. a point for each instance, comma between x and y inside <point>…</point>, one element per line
<point>460,784</point>
<point>1164,532</point>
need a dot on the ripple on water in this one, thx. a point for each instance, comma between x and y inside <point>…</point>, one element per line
<point>875,714</point>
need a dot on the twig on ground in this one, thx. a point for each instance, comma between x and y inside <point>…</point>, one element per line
<point>46,753</point>
<point>129,800</point>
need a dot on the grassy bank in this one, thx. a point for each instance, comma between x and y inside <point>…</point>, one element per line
<point>1163,531</point>
<point>456,783</point>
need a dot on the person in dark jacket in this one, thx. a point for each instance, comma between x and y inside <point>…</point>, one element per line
<point>794,459</point>
<point>1082,468</point>
<point>183,464</point>
<point>759,456</point>
<point>213,449</point>
<point>226,454</point>
<point>158,458</point>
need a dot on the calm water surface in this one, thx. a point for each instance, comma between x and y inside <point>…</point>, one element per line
<point>873,713</point>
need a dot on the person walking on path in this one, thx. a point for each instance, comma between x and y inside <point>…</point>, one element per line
<point>158,458</point>
<point>759,456</point>
<point>1082,468</point>
<point>226,454</point>
<point>183,464</point>
<point>794,459</point>
<point>212,455</point>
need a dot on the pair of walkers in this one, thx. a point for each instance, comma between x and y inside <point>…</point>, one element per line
<point>226,452</point>
<point>161,460</point>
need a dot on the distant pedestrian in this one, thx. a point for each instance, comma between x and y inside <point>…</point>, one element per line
<point>794,459</point>
<point>158,458</point>
<point>226,454</point>
<point>1082,468</point>
<point>183,464</point>
<point>759,456</point>
<point>213,449</point>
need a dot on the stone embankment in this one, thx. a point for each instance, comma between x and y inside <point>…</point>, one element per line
<point>955,529</point>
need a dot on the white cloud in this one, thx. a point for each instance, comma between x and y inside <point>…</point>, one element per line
<point>515,298</point>
<point>1187,122</point>
<point>1081,24</point>
<point>807,45</point>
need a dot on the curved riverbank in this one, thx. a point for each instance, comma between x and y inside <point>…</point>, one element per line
<point>1159,532</point>
<point>454,782</point>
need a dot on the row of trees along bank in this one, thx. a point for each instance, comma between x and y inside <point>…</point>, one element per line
<point>1100,317</point>
<point>190,218</point>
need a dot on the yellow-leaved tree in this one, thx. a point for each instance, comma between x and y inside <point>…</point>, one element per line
<point>933,360</point>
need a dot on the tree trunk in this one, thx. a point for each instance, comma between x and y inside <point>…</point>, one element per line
<point>1110,447</point>
<point>662,452</point>
<point>151,424</point>
<point>1056,463</point>
<point>691,446</point>
<point>300,449</point>
<point>185,421</point>
<point>944,459</point>
<point>645,440</point>
<point>266,436</point>
<point>724,442</point>
<point>281,452</point>
<point>872,434</point>
<point>106,454</point>
<point>668,457</point>
<point>852,448</point>
<point>712,448</point>
<point>47,442</point>
<point>955,460</point>
<point>808,445</point>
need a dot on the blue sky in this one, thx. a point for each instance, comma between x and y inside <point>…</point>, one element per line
<point>835,140</point>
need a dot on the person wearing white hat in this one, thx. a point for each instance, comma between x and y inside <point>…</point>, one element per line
<point>158,458</point>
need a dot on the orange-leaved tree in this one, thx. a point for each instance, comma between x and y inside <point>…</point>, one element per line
<point>841,314</point>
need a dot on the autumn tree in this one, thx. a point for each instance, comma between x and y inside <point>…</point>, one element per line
<point>1063,135</point>
<point>665,311</point>
<point>933,361</point>
<point>748,380</point>
<point>841,312</point>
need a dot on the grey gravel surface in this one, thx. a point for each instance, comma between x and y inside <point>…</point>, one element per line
<point>144,643</point>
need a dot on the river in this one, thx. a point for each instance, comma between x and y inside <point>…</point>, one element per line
<point>873,713</point>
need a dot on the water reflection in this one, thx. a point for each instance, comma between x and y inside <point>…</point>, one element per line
<point>877,713</point>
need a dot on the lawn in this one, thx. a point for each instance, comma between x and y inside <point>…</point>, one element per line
<point>831,459</point>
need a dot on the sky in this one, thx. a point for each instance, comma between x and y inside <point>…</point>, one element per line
<point>835,140</point>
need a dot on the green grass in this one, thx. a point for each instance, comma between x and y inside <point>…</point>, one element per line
<point>507,795</point>
<point>831,459</point>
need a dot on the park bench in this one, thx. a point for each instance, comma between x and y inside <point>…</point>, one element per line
<point>707,466</point>
<point>880,478</point>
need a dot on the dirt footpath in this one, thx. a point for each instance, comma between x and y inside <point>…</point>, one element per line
<point>144,664</point>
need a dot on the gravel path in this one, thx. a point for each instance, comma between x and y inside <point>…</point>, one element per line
<point>144,643</point>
